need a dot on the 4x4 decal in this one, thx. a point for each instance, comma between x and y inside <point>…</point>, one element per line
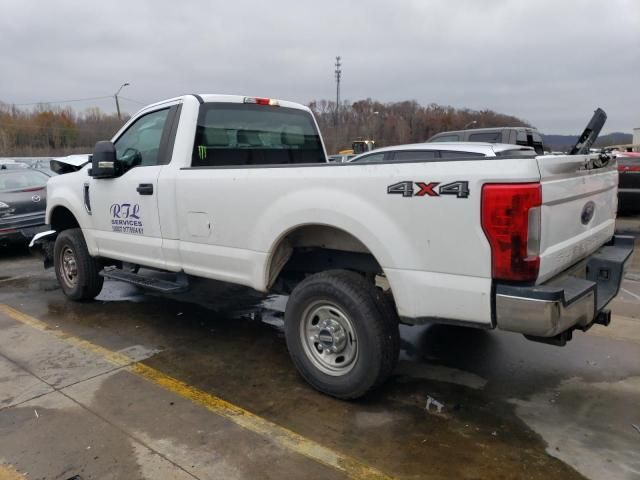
<point>431,189</point>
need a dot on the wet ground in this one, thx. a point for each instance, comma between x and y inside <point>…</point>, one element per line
<point>200,385</point>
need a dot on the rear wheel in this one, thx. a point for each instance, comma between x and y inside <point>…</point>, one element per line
<point>76,270</point>
<point>340,337</point>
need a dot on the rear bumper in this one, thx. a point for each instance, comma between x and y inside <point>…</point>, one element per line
<point>21,227</point>
<point>574,299</point>
<point>629,198</point>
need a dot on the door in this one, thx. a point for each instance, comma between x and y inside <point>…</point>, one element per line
<point>125,209</point>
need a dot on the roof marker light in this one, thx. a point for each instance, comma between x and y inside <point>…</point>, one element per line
<point>261,101</point>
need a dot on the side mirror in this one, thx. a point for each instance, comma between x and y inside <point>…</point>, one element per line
<point>103,162</point>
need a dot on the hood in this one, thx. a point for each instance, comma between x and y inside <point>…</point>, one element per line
<point>69,164</point>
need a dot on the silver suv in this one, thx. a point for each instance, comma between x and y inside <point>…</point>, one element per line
<point>440,151</point>
<point>514,135</point>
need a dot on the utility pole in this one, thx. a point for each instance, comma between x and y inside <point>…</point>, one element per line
<point>116,97</point>
<point>338,73</point>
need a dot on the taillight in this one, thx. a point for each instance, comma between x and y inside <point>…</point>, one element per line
<point>511,222</point>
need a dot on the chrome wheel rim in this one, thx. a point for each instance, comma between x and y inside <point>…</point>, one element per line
<point>69,267</point>
<point>329,338</point>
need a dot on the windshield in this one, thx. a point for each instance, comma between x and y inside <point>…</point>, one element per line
<point>22,180</point>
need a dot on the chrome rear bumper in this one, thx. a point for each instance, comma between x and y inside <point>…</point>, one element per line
<point>574,299</point>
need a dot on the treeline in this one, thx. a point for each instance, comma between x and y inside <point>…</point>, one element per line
<point>397,123</point>
<point>46,130</point>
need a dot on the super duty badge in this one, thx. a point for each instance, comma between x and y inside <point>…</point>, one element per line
<point>429,189</point>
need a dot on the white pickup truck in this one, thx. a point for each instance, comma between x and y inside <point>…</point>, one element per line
<point>238,189</point>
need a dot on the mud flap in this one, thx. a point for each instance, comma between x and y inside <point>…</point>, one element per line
<point>42,245</point>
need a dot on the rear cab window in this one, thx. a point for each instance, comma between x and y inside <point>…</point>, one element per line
<point>236,134</point>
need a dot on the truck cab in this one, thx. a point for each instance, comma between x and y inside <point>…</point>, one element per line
<point>523,136</point>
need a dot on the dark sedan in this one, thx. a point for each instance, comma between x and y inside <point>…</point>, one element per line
<point>22,204</point>
<point>629,182</point>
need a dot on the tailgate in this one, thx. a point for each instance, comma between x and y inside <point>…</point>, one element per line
<point>579,201</point>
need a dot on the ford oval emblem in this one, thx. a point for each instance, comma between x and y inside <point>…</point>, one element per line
<point>36,198</point>
<point>587,212</point>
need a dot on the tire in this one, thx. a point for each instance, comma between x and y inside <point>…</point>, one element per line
<point>337,314</point>
<point>388,309</point>
<point>76,270</point>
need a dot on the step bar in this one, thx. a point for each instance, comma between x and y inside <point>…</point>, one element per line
<point>181,284</point>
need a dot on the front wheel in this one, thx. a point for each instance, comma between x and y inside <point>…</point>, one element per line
<point>76,270</point>
<point>340,337</point>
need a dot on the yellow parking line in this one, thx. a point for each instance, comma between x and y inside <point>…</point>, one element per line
<point>281,436</point>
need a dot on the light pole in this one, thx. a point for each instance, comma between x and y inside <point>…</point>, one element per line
<point>338,72</point>
<point>116,97</point>
<point>370,122</point>
<point>473,122</point>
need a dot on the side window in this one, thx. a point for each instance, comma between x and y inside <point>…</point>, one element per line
<point>446,138</point>
<point>416,156</point>
<point>490,137</point>
<point>140,144</point>
<point>373,158</point>
<point>452,155</point>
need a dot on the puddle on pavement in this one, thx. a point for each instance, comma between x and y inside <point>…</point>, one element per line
<point>598,439</point>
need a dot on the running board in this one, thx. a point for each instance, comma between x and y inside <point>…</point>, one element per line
<point>165,286</point>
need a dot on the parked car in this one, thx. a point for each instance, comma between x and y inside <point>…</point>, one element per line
<point>340,158</point>
<point>434,152</point>
<point>22,204</point>
<point>10,164</point>
<point>523,136</point>
<point>628,182</point>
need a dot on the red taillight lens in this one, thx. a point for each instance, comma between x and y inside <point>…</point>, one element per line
<point>510,220</point>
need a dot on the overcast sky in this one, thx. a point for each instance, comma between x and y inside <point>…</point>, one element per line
<point>548,62</point>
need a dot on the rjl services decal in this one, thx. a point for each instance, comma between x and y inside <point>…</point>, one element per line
<point>125,218</point>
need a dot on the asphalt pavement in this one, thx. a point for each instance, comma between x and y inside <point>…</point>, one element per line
<point>199,385</point>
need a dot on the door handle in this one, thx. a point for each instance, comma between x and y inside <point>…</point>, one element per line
<point>145,189</point>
